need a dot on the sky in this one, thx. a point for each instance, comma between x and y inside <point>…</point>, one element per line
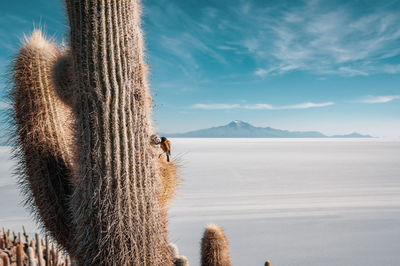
<point>330,66</point>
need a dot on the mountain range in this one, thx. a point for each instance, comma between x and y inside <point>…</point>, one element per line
<point>240,129</point>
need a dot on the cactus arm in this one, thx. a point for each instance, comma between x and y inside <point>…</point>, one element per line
<point>43,137</point>
<point>214,247</point>
<point>118,214</point>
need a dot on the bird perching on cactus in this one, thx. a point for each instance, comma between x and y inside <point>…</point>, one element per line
<point>83,131</point>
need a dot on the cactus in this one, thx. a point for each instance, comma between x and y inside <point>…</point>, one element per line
<point>25,235</point>
<point>39,250</point>
<point>115,206</point>
<point>178,260</point>
<point>83,119</point>
<point>47,254</point>
<point>267,263</point>
<point>43,140</point>
<point>20,255</point>
<point>53,255</point>
<point>31,257</point>
<point>214,247</point>
<point>5,259</point>
<point>173,250</point>
<point>67,263</point>
<point>181,261</point>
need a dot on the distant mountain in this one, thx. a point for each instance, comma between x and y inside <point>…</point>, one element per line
<point>352,135</point>
<point>240,129</point>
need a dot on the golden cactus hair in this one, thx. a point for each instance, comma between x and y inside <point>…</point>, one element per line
<point>169,180</point>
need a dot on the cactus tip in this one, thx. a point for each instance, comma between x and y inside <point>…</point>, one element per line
<point>181,261</point>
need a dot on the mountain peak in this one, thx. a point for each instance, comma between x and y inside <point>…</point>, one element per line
<point>238,123</point>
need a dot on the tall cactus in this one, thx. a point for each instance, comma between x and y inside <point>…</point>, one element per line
<point>114,205</point>
<point>92,175</point>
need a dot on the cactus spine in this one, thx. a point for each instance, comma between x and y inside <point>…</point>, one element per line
<point>214,247</point>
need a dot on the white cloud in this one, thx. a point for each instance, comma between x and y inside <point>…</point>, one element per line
<point>260,106</point>
<point>251,44</point>
<point>261,72</point>
<point>227,48</point>
<point>379,99</point>
<point>215,106</point>
<point>348,71</point>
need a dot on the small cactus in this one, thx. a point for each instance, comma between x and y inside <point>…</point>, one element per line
<point>25,235</point>
<point>181,261</point>
<point>31,257</point>
<point>267,263</point>
<point>53,256</point>
<point>20,255</point>
<point>173,250</point>
<point>5,259</point>
<point>39,251</point>
<point>214,247</point>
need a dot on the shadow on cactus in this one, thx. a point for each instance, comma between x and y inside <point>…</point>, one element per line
<point>83,127</point>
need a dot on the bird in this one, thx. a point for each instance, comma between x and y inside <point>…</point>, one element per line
<point>166,146</point>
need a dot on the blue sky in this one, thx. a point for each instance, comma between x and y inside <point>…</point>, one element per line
<point>332,66</point>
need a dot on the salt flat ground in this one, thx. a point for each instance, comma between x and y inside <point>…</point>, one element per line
<point>311,202</point>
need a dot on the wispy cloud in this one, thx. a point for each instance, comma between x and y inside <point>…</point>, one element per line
<point>311,37</point>
<point>216,106</point>
<point>261,72</point>
<point>260,106</point>
<point>379,99</point>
